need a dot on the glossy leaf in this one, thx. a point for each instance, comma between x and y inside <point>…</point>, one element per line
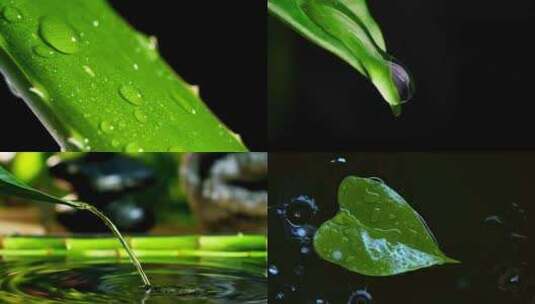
<point>347,29</point>
<point>99,85</point>
<point>10,185</point>
<point>376,232</point>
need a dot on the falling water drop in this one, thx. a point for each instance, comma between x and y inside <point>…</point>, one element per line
<point>402,80</point>
<point>11,14</point>
<point>131,94</point>
<point>59,35</point>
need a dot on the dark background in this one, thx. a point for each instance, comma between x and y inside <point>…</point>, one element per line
<point>473,68</point>
<point>453,192</point>
<point>217,45</point>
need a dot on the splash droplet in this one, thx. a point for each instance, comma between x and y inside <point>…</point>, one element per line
<point>183,102</point>
<point>59,35</point>
<point>133,147</point>
<point>140,116</point>
<point>44,51</point>
<point>131,94</point>
<point>106,127</point>
<point>11,14</point>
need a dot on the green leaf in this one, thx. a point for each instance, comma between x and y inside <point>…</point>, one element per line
<point>376,232</point>
<point>97,84</point>
<point>346,28</point>
<point>9,185</point>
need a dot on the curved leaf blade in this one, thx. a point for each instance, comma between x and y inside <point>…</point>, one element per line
<point>347,29</point>
<point>376,232</point>
<point>9,185</point>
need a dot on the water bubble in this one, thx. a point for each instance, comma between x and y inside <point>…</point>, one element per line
<point>360,296</point>
<point>339,160</point>
<point>273,270</point>
<point>140,116</point>
<point>106,127</point>
<point>133,147</point>
<point>11,14</point>
<point>131,94</point>
<point>183,102</point>
<point>59,35</point>
<point>402,80</point>
<point>43,51</point>
<point>301,209</point>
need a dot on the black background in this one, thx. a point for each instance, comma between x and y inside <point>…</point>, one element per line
<point>218,45</point>
<point>473,67</point>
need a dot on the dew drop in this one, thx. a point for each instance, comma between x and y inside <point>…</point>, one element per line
<point>43,51</point>
<point>88,70</point>
<point>131,94</point>
<point>96,23</point>
<point>115,143</point>
<point>337,255</point>
<point>183,102</point>
<point>59,35</point>
<point>140,116</point>
<point>133,147</point>
<point>402,80</point>
<point>106,127</point>
<point>11,14</point>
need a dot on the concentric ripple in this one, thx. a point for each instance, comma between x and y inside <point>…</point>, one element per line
<point>109,282</point>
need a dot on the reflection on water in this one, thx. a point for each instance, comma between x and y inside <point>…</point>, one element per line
<point>57,281</point>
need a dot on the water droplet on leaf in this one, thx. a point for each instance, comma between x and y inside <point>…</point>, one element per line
<point>44,51</point>
<point>106,127</point>
<point>131,94</point>
<point>140,116</point>
<point>11,14</point>
<point>59,35</point>
<point>183,102</point>
<point>133,147</point>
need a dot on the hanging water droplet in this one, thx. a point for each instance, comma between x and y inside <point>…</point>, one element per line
<point>44,51</point>
<point>106,127</point>
<point>183,102</point>
<point>59,35</point>
<point>131,94</point>
<point>140,116</point>
<point>11,14</point>
<point>133,147</point>
<point>402,80</point>
<point>273,270</point>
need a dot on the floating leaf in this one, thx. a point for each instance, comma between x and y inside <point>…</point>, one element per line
<point>346,28</point>
<point>9,185</point>
<point>376,232</point>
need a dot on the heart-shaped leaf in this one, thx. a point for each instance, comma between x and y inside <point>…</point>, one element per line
<point>376,232</point>
<point>346,28</point>
<point>9,185</point>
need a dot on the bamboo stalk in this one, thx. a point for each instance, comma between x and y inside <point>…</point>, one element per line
<point>121,253</point>
<point>233,243</point>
